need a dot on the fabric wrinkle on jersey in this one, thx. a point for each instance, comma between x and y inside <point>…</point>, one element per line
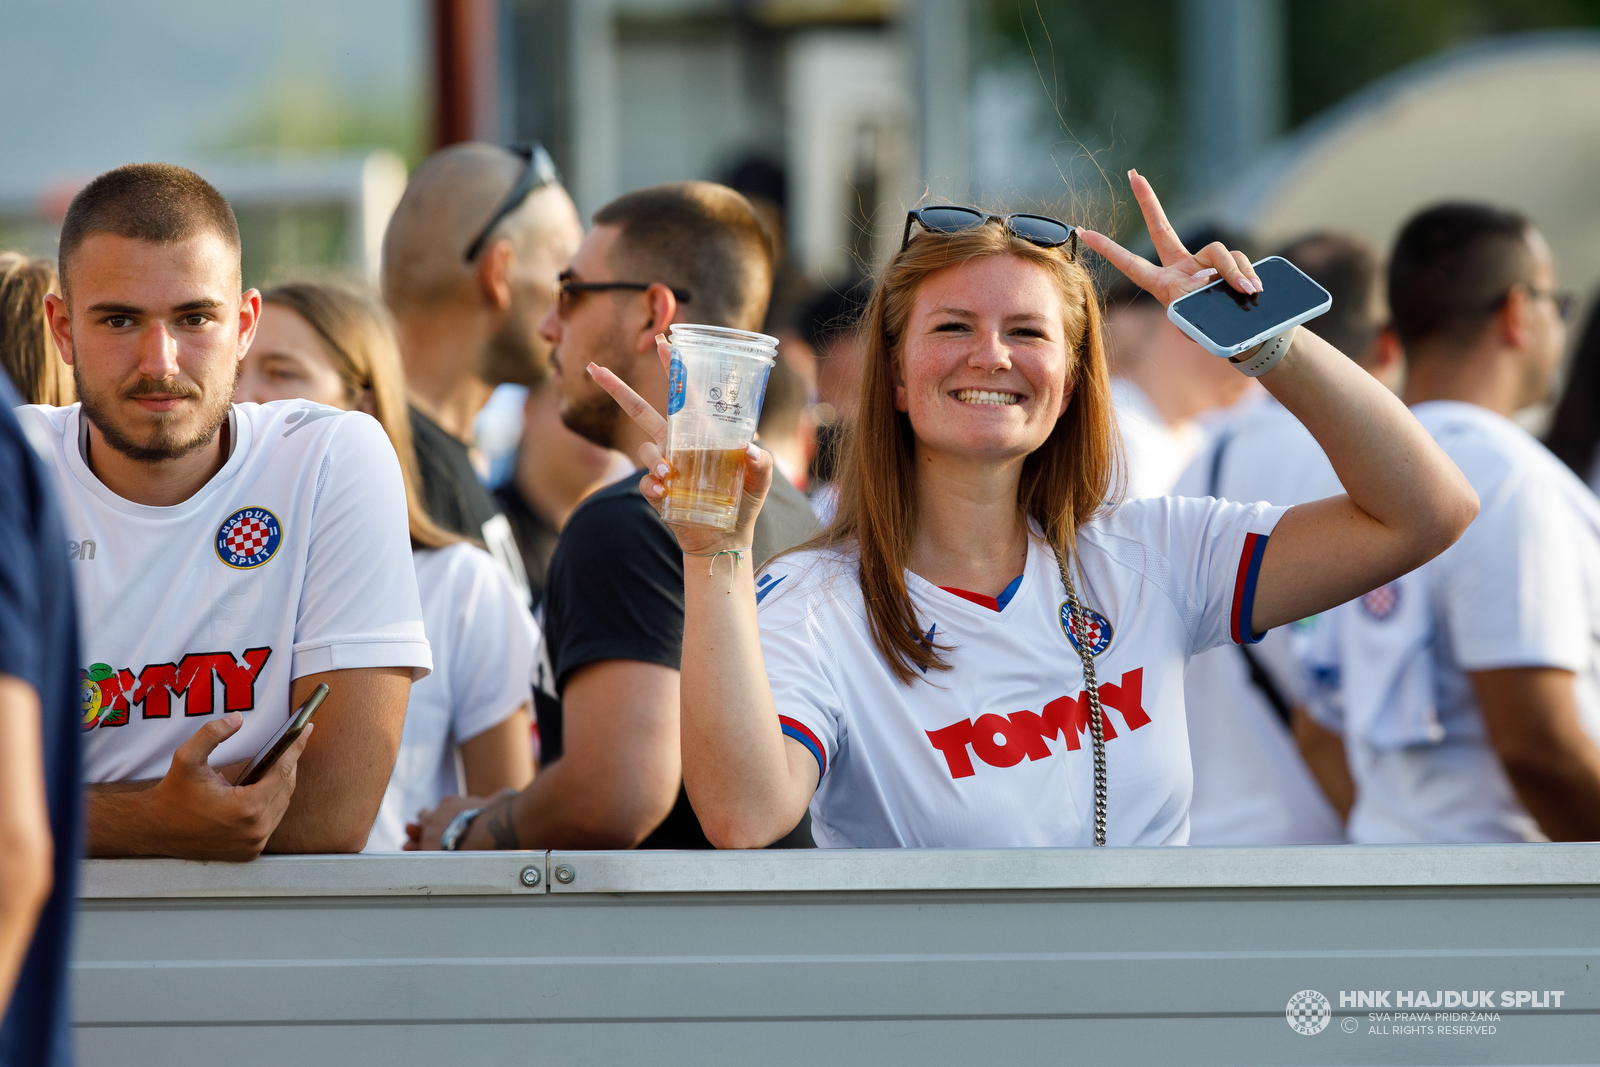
<point>995,752</point>
<point>293,559</point>
<point>1520,589</point>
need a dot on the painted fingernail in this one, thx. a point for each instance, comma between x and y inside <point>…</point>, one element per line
<point>663,470</point>
<point>661,338</point>
<point>589,369</point>
<point>753,452</point>
<point>657,490</point>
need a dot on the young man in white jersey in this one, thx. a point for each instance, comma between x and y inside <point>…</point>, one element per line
<point>228,558</point>
<point>1252,784</point>
<point>1469,690</point>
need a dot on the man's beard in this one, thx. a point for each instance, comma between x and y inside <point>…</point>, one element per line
<point>164,443</point>
<point>593,417</point>
<point>516,354</point>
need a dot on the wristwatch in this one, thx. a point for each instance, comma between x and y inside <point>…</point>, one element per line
<point>457,829</point>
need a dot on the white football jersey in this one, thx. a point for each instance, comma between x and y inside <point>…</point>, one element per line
<point>294,559</point>
<point>1154,451</point>
<point>483,640</point>
<point>1521,588</point>
<point>1251,786</point>
<point>996,752</point>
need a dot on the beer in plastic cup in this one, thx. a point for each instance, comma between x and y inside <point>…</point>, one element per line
<point>715,385</point>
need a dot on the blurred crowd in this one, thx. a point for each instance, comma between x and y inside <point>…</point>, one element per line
<point>504,660</point>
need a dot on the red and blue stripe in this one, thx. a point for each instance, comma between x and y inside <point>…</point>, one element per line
<point>1244,590</point>
<point>799,731</point>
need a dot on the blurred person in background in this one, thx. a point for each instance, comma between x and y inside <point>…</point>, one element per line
<point>1252,785</point>
<point>27,353</point>
<point>764,183</point>
<point>613,626</point>
<point>1162,382</point>
<point>1574,434</point>
<point>1468,691</point>
<point>228,558</point>
<point>787,428</point>
<point>555,470</point>
<point>334,346</point>
<point>40,792</point>
<point>469,262</point>
<point>831,327</point>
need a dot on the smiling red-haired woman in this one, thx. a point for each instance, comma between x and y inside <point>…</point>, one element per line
<point>986,648</point>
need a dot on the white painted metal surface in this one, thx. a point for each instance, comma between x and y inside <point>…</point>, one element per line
<point>1115,956</point>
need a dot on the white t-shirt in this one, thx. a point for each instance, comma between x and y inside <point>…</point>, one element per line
<point>483,642</point>
<point>294,559</point>
<point>996,751</point>
<point>1520,589</point>
<point>1155,451</point>
<point>1251,786</point>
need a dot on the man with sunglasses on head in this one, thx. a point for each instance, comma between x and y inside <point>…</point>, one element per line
<point>613,629</point>
<point>469,260</point>
<point>1468,691</point>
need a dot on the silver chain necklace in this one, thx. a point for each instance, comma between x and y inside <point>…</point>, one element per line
<point>1080,630</point>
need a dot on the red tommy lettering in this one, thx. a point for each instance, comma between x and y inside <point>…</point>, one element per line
<point>192,677</point>
<point>1003,741</point>
<point>239,679</point>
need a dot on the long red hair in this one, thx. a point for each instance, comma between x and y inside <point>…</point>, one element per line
<point>1064,482</point>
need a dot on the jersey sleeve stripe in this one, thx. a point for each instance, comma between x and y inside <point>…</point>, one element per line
<point>1244,590</point>
<point>797,730</point>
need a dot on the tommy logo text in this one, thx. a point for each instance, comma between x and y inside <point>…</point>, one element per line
<point>106,694</point>
<point>1005,740</point>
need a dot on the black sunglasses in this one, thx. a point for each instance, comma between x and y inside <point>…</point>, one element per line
<point>566,286</point>
<point>540,172</point>
<point>1041,230</point>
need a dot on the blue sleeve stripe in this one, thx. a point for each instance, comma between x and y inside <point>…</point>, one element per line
<point>798,731</point>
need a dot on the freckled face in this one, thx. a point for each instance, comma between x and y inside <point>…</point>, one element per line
<point>984,364</point>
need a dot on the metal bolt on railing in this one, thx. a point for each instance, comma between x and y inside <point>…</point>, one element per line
<point>530,877</point>
<point>565,874</point>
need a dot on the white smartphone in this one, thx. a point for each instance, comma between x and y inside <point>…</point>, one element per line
<point>1225,322</point>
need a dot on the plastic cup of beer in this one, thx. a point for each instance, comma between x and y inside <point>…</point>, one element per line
<point>715,384</point>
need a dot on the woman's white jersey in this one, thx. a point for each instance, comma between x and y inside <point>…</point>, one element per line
<point>996,751</point>
<point>294,559</point>
<point>483,642</point>
<point>1521,588</point>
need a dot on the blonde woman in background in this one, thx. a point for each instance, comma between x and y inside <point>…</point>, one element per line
<point>27,353</point>
<point>334,346</point>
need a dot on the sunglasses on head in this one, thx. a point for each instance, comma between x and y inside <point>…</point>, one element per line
<point>540,172</point>
<point>1041,230</point>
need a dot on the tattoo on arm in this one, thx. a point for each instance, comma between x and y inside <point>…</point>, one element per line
<point>500,825</point>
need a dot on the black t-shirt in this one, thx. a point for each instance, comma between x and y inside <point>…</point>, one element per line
<point>615,591</point>
<point>536,535</point>
<point>454,498</point>
<point>39,645</point>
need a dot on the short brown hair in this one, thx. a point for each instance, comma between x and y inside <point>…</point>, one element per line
<point>27,351</point>
<point>1348,268</point>
<point>701,237</point>
<point>1451,269</point>
<point>156,202</point>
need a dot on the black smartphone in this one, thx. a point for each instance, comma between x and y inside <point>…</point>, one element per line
<point>285,737</point>
<point>1225,322</point>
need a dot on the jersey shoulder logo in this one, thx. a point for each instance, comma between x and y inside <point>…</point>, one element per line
<point>1382,601</point>
<point>1099,629</point>
<point>248,538</point>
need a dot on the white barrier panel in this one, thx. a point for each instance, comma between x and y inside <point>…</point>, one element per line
<point>1441,954</point>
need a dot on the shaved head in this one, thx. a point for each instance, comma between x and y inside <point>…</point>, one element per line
<point>446,203</point>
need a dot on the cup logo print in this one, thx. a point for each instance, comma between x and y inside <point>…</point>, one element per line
<point>677,380</point>
<point>1308,1012</point>
<point>248,538</point>
<point>1099,629</point>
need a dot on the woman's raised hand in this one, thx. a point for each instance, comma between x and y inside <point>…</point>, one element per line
<point>658,471</point>
<point>1181,271</point>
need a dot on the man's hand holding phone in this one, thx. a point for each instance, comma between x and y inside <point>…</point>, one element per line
<point>202,814</point>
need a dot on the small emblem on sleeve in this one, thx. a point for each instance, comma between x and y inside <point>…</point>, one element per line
<point>1099,629</point>
<point>248,538</point>
<point>1382,601</point>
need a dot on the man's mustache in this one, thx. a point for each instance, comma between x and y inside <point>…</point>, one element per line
<point>164,386</point>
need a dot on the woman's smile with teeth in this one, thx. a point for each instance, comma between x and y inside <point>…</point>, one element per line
<point>985,396</point>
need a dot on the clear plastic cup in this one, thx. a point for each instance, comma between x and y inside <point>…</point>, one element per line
<point>715,386</point>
